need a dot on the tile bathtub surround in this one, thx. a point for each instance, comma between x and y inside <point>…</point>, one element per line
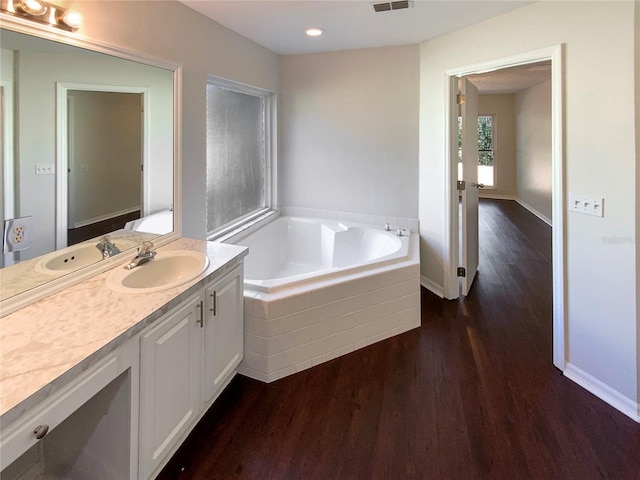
<point>45,345</point>
<point>411,224</point>
<point>285,334</point>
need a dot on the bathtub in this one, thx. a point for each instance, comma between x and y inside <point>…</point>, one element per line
<point>291,252</point>
<point>317,289</point>
<point>159,222</point>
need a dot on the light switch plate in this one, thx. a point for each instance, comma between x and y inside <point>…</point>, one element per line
<point>45,169</point>
<point>587,205</point>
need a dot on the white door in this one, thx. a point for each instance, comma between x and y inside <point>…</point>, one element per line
<point>170,383</point>
<point>469,113</point>
<point>224,332</point>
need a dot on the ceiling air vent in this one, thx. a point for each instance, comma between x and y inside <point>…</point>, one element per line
<point>388,6</point>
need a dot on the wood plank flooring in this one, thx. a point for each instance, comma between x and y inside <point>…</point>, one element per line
<point>471,394</point>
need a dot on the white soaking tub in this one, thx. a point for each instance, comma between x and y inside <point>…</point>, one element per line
<point>317,289</point>
<point>293,251</point>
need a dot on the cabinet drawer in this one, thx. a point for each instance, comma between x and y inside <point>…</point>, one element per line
<point>18,437</point>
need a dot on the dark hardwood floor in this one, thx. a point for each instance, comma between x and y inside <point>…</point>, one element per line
<point>93,230</point>
<point>471,394</point>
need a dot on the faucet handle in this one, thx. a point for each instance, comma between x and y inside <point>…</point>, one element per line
<point>146,247</point>
<point>387,227</point>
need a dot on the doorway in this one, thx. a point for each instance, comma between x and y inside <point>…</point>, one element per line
<point>101,158</point>
<point>451,288</point>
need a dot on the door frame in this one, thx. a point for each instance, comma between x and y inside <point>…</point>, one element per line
<point>62,148</point>
<point>451,224</point>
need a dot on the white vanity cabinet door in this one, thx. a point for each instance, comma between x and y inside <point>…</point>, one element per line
<point>170,383</point>
<point>224,330</point>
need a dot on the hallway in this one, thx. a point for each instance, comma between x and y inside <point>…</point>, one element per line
<point>471,394</point>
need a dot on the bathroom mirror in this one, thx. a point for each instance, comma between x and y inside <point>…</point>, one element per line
<point>89,151</point>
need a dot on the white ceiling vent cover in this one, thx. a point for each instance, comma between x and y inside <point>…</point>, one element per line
<point>388,6</point>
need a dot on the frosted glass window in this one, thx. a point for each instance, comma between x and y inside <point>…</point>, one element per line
<point>236,150</point>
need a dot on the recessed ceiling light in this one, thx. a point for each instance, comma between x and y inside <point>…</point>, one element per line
<point>314,31</point>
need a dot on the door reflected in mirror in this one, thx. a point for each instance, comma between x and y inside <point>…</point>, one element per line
<point>104,155</point>
<point>90,157</point>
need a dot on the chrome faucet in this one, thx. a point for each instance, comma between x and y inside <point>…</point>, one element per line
<point>107,248</point>
<point>145,254</point>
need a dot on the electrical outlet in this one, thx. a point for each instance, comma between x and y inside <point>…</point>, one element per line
<point>587,205</point>
<point>17,234</point>
<point>45,169</point>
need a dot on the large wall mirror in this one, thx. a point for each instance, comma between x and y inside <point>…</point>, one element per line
<point>88,156</point>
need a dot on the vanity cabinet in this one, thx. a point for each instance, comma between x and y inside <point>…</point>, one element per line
<point>122,410</point>
<point>63,437</point>
<point>186,359</point>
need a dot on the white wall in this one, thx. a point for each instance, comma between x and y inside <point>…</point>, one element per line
<point>533,130</point>
<point>503,108</point>
<point>36,128</point>
<point>637,236</point>
<point>349,131</point>
<point>105,153</point>
<point>600,160</point>
<point>174,32</point>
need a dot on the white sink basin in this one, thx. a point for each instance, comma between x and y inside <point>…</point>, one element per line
<point>77,256</point>
<point>167,270</point>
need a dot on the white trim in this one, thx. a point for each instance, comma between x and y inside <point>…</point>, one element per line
<point>497,196</point>
<point>542,217</point>
<point>432,286</point>
<point>451,197</point>
<point>558,235</point>
<point>603,391</point>
<point>9,160</point>
<point>62,147</point>
<point>106,216</point>
<point>560,314</point>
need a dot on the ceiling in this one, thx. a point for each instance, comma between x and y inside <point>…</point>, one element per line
<point>348,24</point>
<point>512,79</point>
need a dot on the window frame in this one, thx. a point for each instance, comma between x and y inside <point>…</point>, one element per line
<point>270,159</point>
<point>494,143</point>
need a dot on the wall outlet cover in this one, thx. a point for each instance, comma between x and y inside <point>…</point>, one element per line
<point>17,234</point>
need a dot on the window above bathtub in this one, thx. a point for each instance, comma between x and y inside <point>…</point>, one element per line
<point>240,155</point>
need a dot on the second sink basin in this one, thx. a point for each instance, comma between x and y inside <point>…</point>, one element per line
<point>77,257</point>
<point>167,270</point>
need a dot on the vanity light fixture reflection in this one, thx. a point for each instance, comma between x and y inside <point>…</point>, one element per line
<point>32,7</point>
<point>43,12</point>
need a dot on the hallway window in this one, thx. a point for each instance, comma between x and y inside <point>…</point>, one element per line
<point>486,167</point>
<point>238,154</point>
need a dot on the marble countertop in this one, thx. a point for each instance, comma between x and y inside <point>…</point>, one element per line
<point>48,343</point>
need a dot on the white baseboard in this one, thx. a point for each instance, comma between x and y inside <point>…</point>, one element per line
<point>535,212</point>
<point>604,392</point>
<point>107,216</point>
<point>497,196</point>
<point>431,286</point>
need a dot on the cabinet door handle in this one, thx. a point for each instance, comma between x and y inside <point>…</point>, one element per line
<point>214,295</point>
<point>41,430</point>
<point>201,319</point>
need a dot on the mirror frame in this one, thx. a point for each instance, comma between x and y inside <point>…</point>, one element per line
<point>27,27</point>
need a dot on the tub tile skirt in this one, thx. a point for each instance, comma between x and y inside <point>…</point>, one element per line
<point>288,334</point>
